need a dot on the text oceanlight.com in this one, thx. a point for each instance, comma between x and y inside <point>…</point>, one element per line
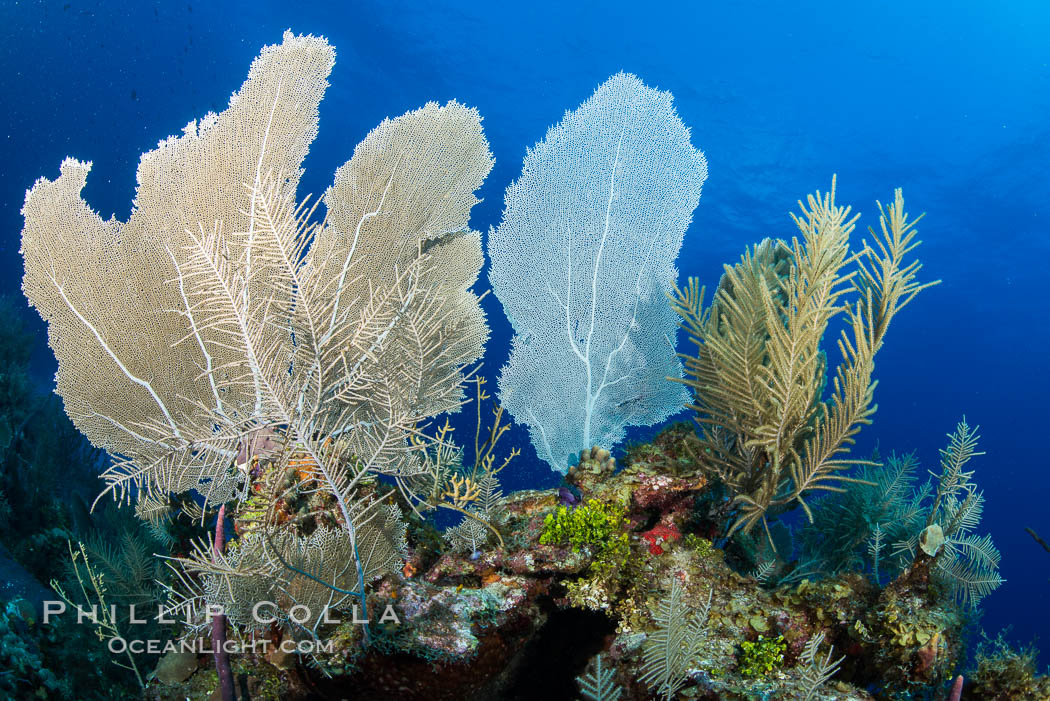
<point>200,646</point>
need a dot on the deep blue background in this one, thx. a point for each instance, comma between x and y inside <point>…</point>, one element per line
<point>949,100</point>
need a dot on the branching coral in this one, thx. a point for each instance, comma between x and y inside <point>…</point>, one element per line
<point>598,683</point>
<point>899,519</point>
<point>759,372</point>
<point>472,491</point>
<point>818,669</point>
<point>968,562</point>
<point>674,646</point>
<point>851,530</point>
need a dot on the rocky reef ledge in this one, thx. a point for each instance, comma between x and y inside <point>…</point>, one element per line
<point>588,569</point>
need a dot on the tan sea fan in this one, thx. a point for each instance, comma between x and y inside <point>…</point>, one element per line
<point>223,309</point>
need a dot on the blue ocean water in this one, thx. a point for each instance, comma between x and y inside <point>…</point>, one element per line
<point>950,101</point>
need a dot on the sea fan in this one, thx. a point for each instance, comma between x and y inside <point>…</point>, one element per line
<point>581,263</point>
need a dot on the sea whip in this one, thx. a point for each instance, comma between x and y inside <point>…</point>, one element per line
<point>218,621</point>
<point>956,692</point>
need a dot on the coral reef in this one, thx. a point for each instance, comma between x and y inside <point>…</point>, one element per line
<point>469,623</point>
<point>1005,672</point>
<point>886,511</point>
<point>24,673</point>
<point>293,379</point>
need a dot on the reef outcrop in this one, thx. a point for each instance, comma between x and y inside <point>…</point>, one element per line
<point>577,580</point>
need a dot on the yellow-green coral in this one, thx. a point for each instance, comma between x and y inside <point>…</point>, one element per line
<point>600,527</point>
<point>762,656</point>
<point>703,547</point>
<point>593,524</point>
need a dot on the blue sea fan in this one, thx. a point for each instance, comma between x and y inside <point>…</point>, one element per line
<point>582,262</point>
